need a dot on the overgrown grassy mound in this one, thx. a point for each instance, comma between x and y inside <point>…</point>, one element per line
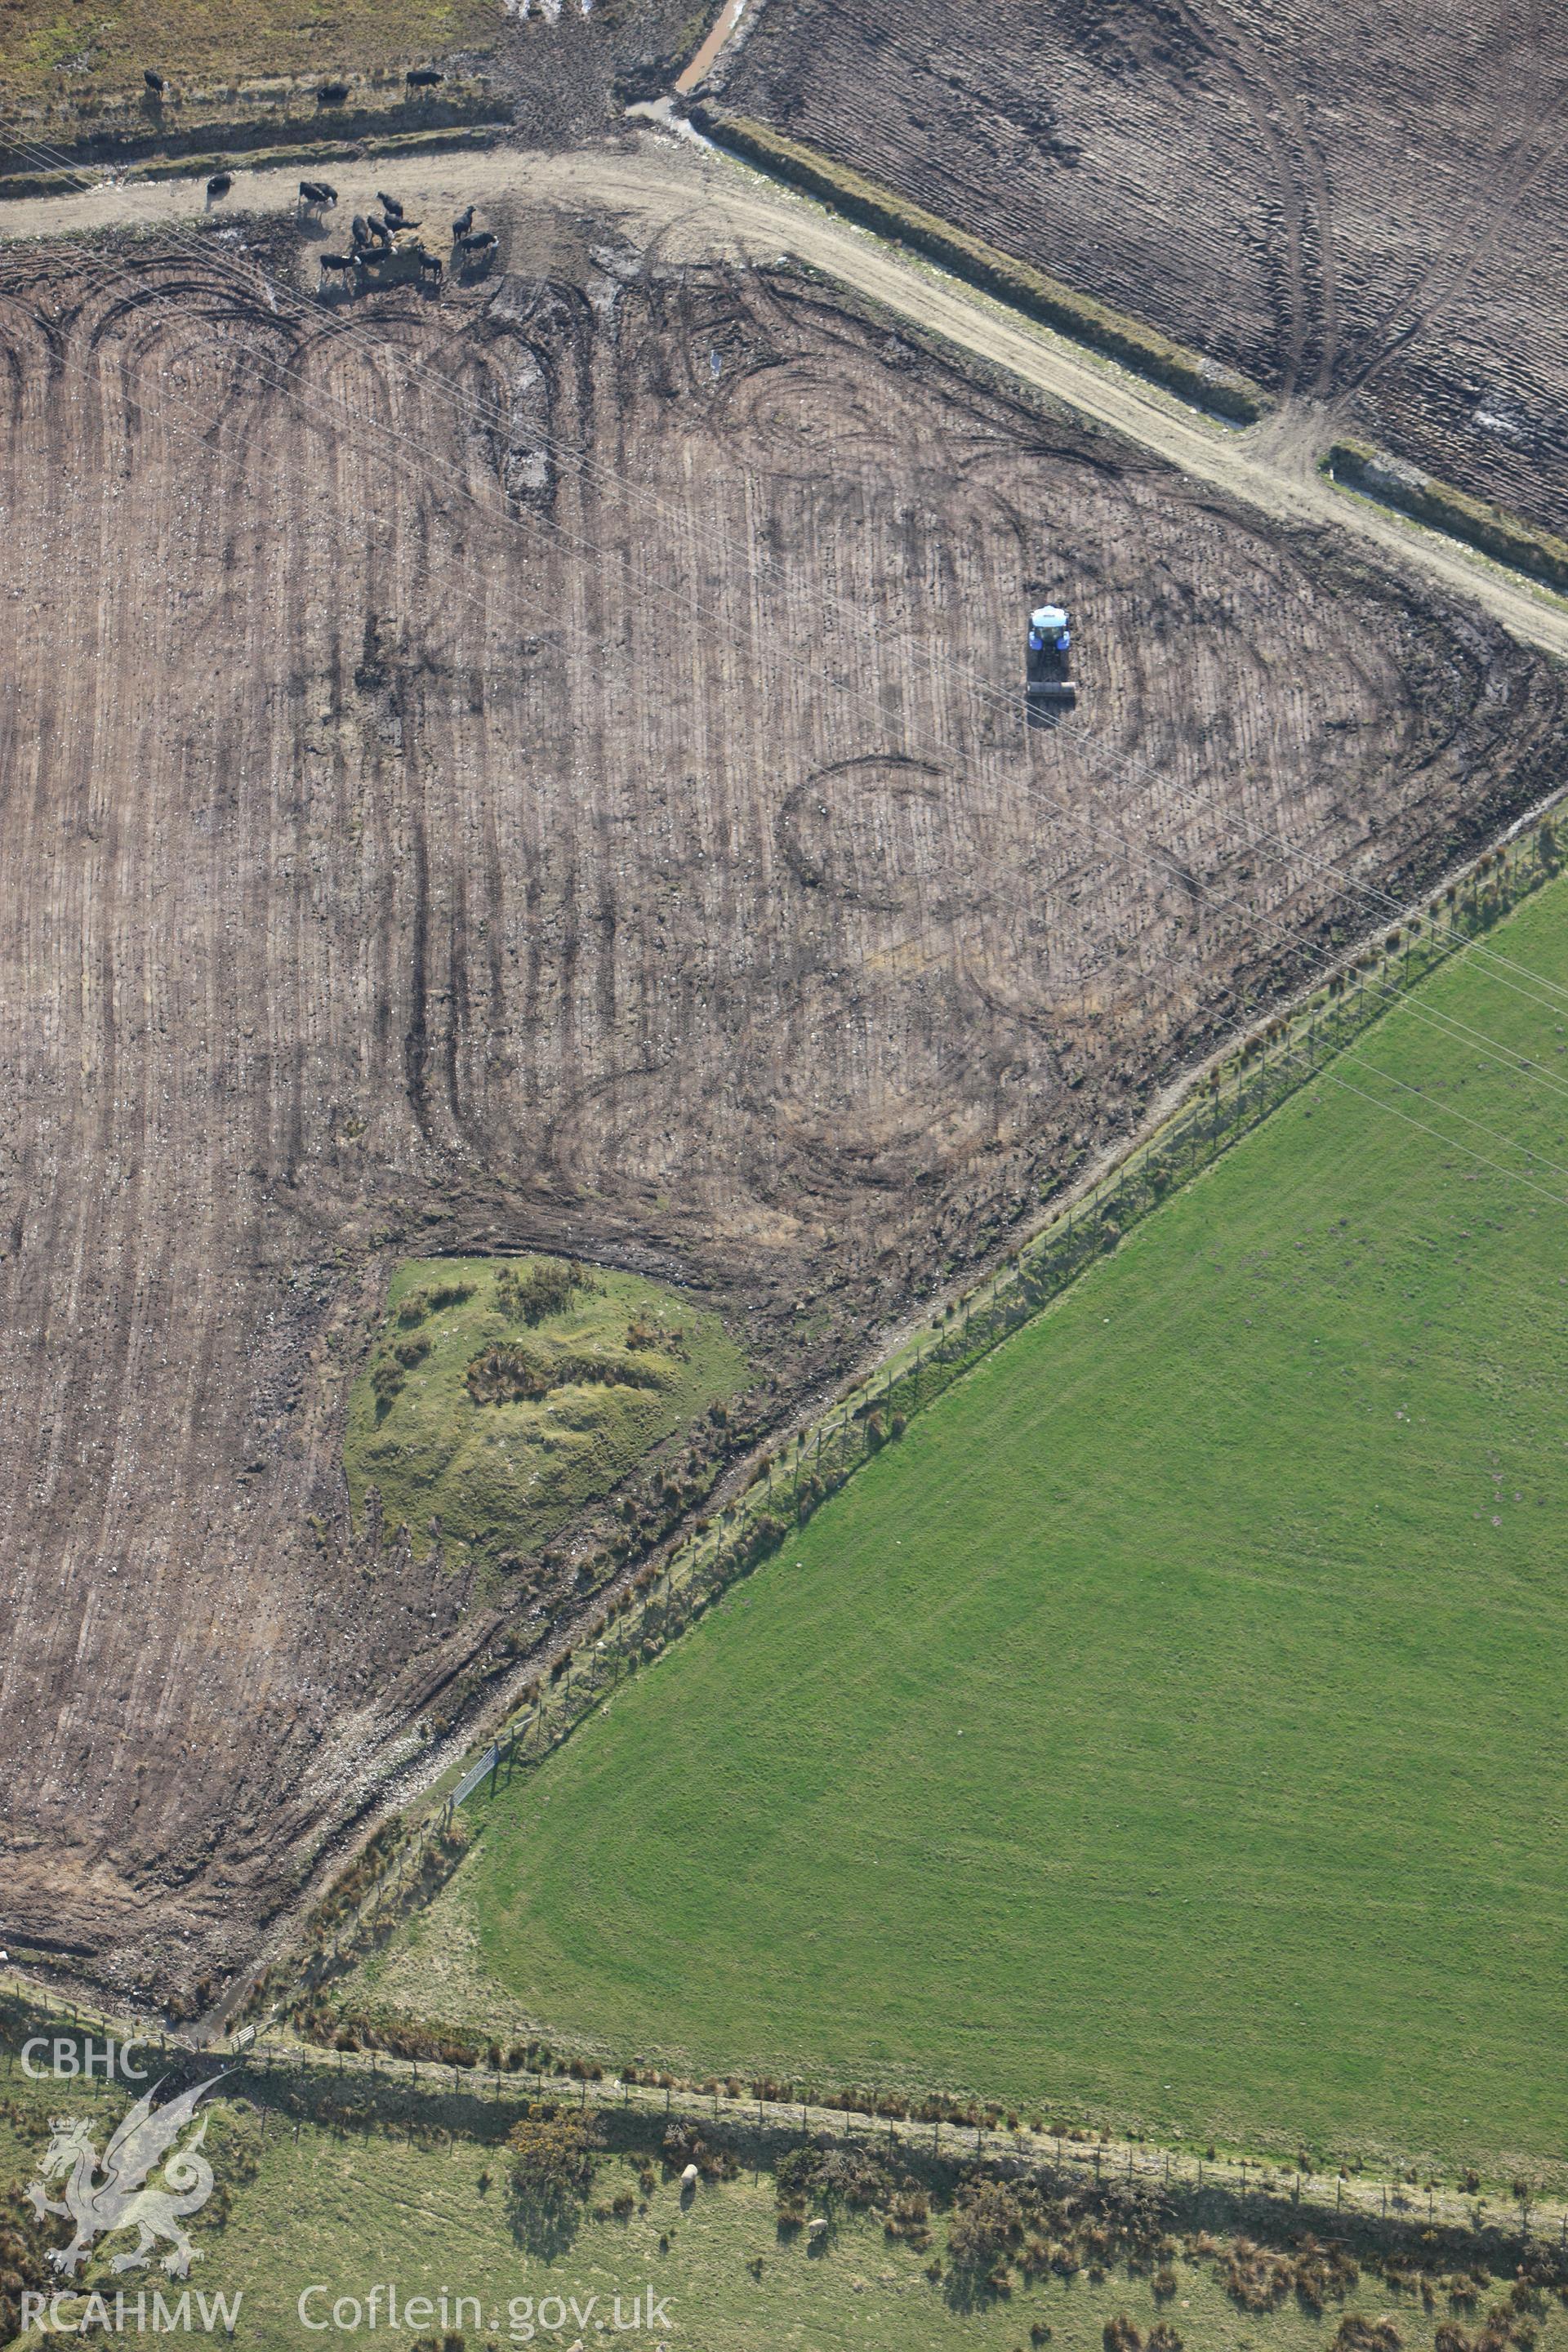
<point>1171,1724</point>
<point>503,1394</point>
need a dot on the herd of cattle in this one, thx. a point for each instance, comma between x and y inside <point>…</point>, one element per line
<point>382,248</point>
<point>377,251</point>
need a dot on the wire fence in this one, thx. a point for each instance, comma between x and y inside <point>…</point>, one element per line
<point>1322,2196</point>
<point>475,1774</point>
<point>795,1479</point>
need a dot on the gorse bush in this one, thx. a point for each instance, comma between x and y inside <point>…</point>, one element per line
<point>508,1371</point>
<point>840,2176</point>
<point>388,1376</point>
<point>544,1286</point>
<point>1510,2324</point>
<point>642,1332</point>
<point>553,2153</point>
<point>1356,2334</point>
<point>432,1298</point>
<point>1255,2278</point>
<point>25,2240</point>
<point>511,1370</point>
<point>684,2144</point>
<point>987,2225</point>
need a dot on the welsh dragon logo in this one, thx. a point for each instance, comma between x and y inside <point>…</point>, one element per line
<point>102,2202</point>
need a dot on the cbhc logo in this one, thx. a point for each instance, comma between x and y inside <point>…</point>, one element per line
<point>70,2059</point>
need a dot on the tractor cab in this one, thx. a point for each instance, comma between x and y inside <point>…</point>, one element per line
<point>1048,677</point>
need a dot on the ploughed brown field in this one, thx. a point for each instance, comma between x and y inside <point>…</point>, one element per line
<point>417,839</point>
<point>1360,206</point>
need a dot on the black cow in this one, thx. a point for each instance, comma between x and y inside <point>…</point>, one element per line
<point>219,185</point>
<point>430,268</point>
<point>424,78</point>
<point>332,93</point>
<point>315,196</point>
<point>479,245</point>
<point>462,225</point>
<point>390,206</point>
<point>380,232</point>
<point>342,265</point>
<point>154,81</point>
<point>358,229</point>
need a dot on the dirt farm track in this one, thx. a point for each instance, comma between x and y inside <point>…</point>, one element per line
<point>687,203</point>
<point>368,752</point>
<point>1360,206</point>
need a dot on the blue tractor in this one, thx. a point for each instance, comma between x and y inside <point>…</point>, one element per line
<point>1048,661</point>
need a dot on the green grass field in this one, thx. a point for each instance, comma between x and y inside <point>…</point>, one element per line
<point>628,1363</point>
<point>1170,1728</point>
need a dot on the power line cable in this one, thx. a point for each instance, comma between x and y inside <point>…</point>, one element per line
<point>571,455</point>
<point>1375,1102</point>
<point>281,378</point>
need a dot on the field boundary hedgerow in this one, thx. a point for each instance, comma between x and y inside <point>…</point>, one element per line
<point>1388,2206</point>
<point>868,202</point>
<point>790,1481</point>
<point>330,148</point>
<point>1490,529</point>
<point>412,1854</point>
<point>261,126</point>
